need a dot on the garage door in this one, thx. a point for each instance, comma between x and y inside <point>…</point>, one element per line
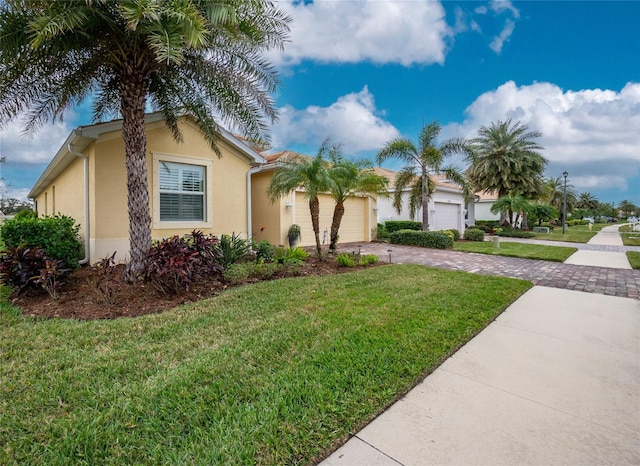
<point>352,227</point>
<point>446,216</point>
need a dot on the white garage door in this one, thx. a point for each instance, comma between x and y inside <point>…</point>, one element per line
<point>446,216</point>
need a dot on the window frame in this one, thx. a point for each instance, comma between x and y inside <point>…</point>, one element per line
<point>158,159</point>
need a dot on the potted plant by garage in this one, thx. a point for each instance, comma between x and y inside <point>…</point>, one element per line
<point>294,235</point>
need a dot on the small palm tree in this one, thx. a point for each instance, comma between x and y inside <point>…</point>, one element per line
<point>505,159</point>
<point>424,160</point>
<point>309,174</point>
<point>543,212</point>
<point>512,207</point>
<point>348,178</point>
<point>200,57</point>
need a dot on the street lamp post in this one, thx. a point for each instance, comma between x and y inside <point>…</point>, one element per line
<point>564,204</point>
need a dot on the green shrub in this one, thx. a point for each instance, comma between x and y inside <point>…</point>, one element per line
<point>516,234</point>
<point>26,213</point>
<point>488,223</point>
<point>56,235</point>
<point>426,239</point>
<point>484,228</point>
<point>548,225</point>
<point>290,256</point>
<point>382,234</point>
<point>346,260</point>
<point>240,272</point>
<point>231,249</point>
<point>397,225</point>
<point>264,251</point>
<point>456,233</point>
<point>368,259</point>
<point>573,223</point>
<point>474,234</point>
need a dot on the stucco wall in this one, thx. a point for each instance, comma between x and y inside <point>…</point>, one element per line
<point>268,219</point>
<point>483,211</point>
<point>65,194</point>
<point>226,200</point>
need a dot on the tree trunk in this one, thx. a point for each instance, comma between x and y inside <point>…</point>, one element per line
<point>425,202</point>
<point>338,212</point>
<point>133,92</point>
<point>314,207</point>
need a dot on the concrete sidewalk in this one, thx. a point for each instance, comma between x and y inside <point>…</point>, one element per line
<point>554,380</point>
<point>608,236</point>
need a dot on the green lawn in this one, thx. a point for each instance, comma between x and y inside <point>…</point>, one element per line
<point>634,259</point>
<point>278,372</point>
<point>629,237</point>
<point>527,251</point>
<point>575,234</point>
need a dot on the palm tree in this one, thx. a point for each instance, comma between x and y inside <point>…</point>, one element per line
<point>627,207</point>
<point>198,57</point>
<point>587,201</point>
<point>309,174</point>
<point>553,194</point>
<point>504,159</point>
<point>512,207</point>
<point>543,212</point>
<point>424,160</point>
<point>347,178</point>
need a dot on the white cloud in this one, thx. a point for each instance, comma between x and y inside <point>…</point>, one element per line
<point>351,120</point>
<point>481,10</point>
<point>498,41</point>
<point>593,133</point>
<point>500,6</point>
<point>405,32</point>
<point>40,147</point>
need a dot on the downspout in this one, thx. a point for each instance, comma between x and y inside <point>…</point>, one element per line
<point>86,201</point>
<point>251,171</point>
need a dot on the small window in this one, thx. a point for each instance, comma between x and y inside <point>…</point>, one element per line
<point>182,192</point>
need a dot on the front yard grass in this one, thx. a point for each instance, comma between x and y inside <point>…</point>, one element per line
<point>634,259</point>
<point>629,237</point>
<point>278,372</point>
<point>512,249</point>
<point>574,234</point>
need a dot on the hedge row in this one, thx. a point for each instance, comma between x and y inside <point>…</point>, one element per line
<point>397,225</point>
<point>425,239</point>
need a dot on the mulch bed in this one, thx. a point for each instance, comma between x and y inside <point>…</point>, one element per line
<point>79,298</point>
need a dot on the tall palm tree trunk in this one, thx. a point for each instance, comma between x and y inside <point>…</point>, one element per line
<point>314,207</point>
<point>425,202</point>
<point>133,100</point>
<point>338,212</point>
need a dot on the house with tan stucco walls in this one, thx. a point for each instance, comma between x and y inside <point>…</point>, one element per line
<point>272,221</point>
<point>190,188</point>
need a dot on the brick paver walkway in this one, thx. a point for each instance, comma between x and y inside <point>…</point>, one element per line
<point>602,280</point>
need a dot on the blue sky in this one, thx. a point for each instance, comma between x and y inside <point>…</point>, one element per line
<point>363,72</point>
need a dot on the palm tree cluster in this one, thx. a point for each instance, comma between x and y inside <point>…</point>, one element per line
<point>195,56</point>
<point>328,172</point>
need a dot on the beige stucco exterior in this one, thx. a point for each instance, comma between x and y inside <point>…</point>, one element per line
<point>272,221</point>
<point>225,188</point>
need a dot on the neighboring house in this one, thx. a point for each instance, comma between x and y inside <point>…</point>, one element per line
<point>483,204</point>
<point>447,207</point>
<point>272,221</point>
<point>190,187</point>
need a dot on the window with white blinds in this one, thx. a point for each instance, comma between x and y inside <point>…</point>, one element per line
<point>182,192</point>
